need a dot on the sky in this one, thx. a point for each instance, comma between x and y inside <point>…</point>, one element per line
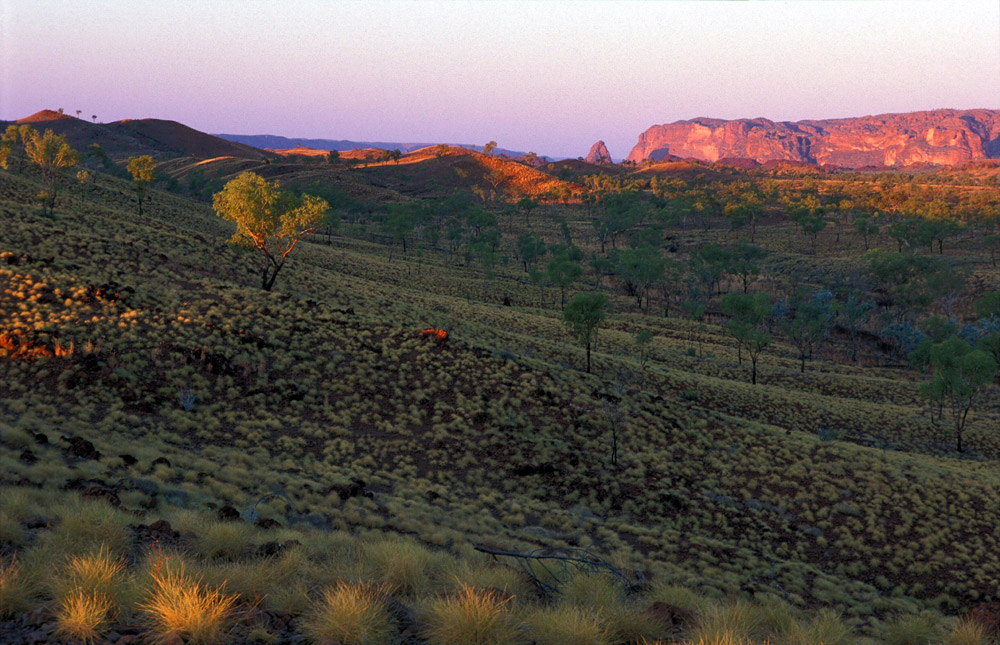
<point>546,76</point>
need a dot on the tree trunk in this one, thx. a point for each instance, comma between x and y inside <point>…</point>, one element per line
<point>588,357</point>
<point>753,370</point>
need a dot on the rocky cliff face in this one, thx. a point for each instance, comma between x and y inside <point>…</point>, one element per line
<point>940,137</point>
<point>598,154</point>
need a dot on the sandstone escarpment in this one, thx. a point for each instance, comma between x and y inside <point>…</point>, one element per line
<point>939,137</point>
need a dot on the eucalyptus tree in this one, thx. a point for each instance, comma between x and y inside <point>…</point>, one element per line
<point>268,219</point>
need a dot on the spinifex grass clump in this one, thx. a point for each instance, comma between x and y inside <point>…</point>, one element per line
<point>16,589</point>
<point>98,573</point>
<point>180,604</point>
<point>471,617</point>
<point>84,616</point>
<point>352,614</point>
<point>565,625</point>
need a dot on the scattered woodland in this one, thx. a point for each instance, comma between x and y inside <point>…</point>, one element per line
<point>450,397</point>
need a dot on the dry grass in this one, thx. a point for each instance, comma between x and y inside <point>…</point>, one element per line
<point>470,617</point>
<point>99,574</point>
<point>400,564</point>
<point>351,614</point>
<point>84,616</point>
<point>734,622</point>
<point>180,604</point>
<point>16,589</point>
<point>967,632</point>
<point>564,625</point>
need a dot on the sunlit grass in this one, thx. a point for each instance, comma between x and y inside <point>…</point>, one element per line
<point>178,603</point>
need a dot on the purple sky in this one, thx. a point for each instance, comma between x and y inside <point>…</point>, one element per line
<point>547,76</point>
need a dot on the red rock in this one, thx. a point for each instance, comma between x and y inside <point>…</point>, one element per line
<point>598,154</point>
<point>937,137</point>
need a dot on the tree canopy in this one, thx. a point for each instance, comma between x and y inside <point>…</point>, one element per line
<point>268,219</point>
<point>583,315</point>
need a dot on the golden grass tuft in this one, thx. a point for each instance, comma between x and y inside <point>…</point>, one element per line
<point>84,616</point>
<point>566,625</point>
<point>470,617</point>
<point>967,632</point>
<point>180,604</point>
<point>351,614</point>
<point>99,573</point>
<point>734,622</point>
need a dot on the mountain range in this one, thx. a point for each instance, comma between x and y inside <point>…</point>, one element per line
<point>935,137</point>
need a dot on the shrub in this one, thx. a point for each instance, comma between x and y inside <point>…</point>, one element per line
<point>351,614</point>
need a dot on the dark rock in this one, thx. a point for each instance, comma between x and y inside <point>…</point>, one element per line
<point>671,617</point>
<point>177,497</point>
<point>147,486</point>
<point>161,526</point>
<point>269,549</point>
<point>107,494</point>
<point>160,460</point>
<point>267,523</point>
<point>41,438</point>
<point>80,447</point>
<point>228,514</point>
<point>173,638</point>
<point>346,491</point>
<point>128,459</point>
<point>39,522</point>
<point>27,457</point>
<point>533,469</point>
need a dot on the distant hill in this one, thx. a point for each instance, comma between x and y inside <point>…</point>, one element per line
<point>936,137</point>
<point>131,137</point>
<point>276,142</point>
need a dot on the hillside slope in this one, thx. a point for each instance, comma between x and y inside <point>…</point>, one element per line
<point>132,137</point>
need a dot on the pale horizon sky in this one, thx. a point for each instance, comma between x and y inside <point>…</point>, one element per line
<point>546,76</point>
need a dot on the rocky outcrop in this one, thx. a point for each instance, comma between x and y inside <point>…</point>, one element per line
<point>598,154</point>
<point>938,137</point>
